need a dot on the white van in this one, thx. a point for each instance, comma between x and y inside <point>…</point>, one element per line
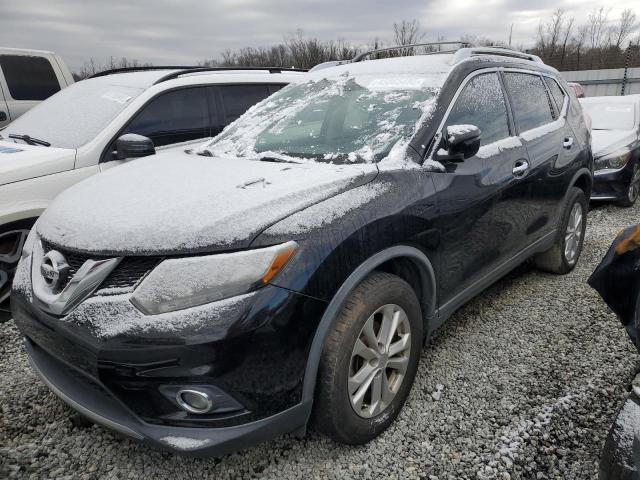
<point>26,78</point>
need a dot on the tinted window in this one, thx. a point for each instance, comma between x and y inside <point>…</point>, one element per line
<point>173,117</point>
<point>531,104</point>
<point>237,99</point>
<point>557,93</point>
<point>29,78</point>
<point>481,103</point>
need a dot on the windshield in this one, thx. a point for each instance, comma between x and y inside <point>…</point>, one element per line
<point>617,116</point>
<point>75,115</point>
<point>339,120</point>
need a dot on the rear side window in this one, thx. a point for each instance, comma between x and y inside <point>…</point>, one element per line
<point>531,104</point>
<point>557,93</point>
<point>237,99</point>
<point>174,117</point>
<point>481,103</point>
<point>29,78</point>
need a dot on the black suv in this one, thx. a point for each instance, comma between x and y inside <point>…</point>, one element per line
<point>203,301</point>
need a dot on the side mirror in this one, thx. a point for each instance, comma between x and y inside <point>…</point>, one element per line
<point>132,145</point>
<point>460,142</point>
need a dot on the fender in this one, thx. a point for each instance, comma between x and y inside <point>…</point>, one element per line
<point>584,171</point>
<point>428,304</point>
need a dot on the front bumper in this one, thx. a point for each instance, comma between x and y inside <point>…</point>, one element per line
<point>611,184</point>
<point>93,401</point>
<point>115,365</point>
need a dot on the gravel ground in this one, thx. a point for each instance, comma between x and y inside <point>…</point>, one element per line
<point>523,382</point>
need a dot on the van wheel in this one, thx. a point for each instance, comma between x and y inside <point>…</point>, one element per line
<point>369,360</point>
<point>12,240</point>
<point>563,256</point>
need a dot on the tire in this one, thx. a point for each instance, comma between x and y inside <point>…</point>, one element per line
<point>556,259</point>
<point>12,238</point>
<point>379,296</point>
<point>634,188</point>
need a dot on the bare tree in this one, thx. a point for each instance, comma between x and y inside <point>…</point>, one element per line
<point>623,29</point>
<point>407,33</point>
<point>597,28</point>
<point>90,67</point>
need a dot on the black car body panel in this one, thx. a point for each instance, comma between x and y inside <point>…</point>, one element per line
<point>617,279</point>
<point>448,232</point>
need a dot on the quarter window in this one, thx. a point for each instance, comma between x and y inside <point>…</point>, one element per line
<point>237,99</point>
<point>530,101</point>
<point>557,93</point>
<point>174,117</point>
<point>29,78</point>
<point>481,103</point>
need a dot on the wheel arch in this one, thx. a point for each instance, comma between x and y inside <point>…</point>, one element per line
<point>406,261</point>
<point>582,179</point>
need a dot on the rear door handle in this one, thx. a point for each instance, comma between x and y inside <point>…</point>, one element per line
<point>568,142</point>
<point>520,168</point>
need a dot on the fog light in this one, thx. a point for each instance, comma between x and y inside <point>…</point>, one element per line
<point>194,401</point>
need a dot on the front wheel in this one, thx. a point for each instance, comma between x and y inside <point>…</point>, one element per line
<point>563,256</point>
<point>11,242</point>
<point>369,360</point>
<point>634,188</point>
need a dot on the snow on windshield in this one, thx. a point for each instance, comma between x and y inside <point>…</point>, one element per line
<point>75,115</point>
<point>614,116</point>
<point>345,119</point>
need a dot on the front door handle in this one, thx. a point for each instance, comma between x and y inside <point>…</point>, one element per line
<point>568,142</point>
<point>3,116</point>
<point>520,168</point>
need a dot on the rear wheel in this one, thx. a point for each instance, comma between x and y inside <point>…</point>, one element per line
<point>12,240</point>
<point>563,256</point>
<point>634,188</point>
<point>369,360</point>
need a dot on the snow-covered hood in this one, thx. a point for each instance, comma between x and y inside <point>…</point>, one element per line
<point>604,142</point>
<point>19,161</point>
<point>178,203</point>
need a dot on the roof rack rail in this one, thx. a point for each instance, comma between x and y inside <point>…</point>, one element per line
<point>499,51</point>
<point>140,69</point>
<point>189,70</point>
<point>361,56</point>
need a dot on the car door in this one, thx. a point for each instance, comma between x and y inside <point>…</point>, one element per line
<point>550,146</point>
<point>479,221</point>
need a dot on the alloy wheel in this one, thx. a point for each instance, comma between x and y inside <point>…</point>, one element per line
<point>573,234</point>
<point>634,186</point>
<point>11,244</point>
<point>379,360</point>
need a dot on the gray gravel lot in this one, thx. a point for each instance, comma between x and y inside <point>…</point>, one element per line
<point>529,375</point>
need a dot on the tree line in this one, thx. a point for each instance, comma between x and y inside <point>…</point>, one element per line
<point>599,42</point>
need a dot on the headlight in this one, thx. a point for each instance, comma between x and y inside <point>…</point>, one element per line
<point>187,282</point>
<point>614,160</point>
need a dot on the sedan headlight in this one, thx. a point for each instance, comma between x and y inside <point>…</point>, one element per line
<point>187,282</point>
<point>615,160</point>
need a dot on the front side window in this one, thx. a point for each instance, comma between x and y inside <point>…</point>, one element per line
<point>481,103</point>
<point>530,101</point>
<point>174,117</point>
<point>29,78</point>
<point>339,119</point>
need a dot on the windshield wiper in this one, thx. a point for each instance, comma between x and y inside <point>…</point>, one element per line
<point>276,160</point>
<point>29,140</point>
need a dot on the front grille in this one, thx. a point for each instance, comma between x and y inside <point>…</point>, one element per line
<point>123,279</point>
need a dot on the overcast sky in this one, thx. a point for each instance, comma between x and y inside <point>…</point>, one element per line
<point>184,32</point>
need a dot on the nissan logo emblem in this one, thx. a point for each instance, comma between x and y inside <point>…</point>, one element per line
<point>54,269</point>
